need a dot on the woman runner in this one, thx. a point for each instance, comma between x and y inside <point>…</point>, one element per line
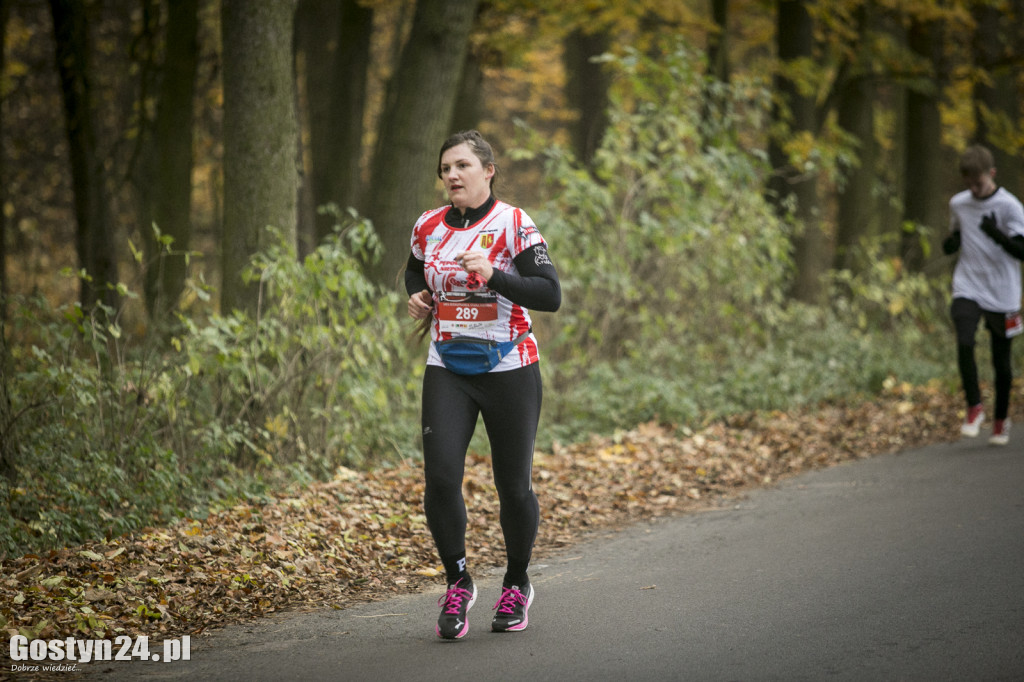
<point>475,267</point>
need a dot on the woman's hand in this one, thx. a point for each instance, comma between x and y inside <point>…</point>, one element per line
<point>420,305</point>
<point>475,261</point>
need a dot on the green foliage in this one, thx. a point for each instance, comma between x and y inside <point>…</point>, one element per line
<point>101,437</point>
<point>656,234</point>
<point>673,269</point>
<point>890,298</point>
<point>665,231</point>
<point>82,451</point>
<point>314,380</point>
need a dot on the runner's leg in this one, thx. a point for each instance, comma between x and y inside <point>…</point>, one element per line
<point>966,314</point>
<point>511,416</point>
<point>449,416</point>
<point>1001,362</point>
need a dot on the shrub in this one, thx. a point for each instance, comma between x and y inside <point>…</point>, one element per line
<point>102,435</point>
<point>674,268</point>
<point>320,378</point>
<point>82,451</point>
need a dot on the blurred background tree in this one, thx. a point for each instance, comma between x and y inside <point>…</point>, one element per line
<point>862,90</point>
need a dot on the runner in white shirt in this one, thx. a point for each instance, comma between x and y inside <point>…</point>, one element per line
<point>987,227</point>
<point>474,269</point>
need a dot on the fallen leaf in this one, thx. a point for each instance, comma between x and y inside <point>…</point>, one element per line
<point>362,536</point>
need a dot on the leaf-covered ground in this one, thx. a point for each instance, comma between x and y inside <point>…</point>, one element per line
<point>362,536</point>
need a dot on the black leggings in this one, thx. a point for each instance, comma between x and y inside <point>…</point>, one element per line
<point>510,405</point>
<point>966,315</point>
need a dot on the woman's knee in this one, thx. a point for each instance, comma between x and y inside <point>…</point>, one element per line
<point>517,497</point>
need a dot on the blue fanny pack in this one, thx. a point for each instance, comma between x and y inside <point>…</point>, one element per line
<point>468,356</point>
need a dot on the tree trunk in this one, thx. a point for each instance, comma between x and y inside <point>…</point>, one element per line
<point>856,214</point>
<point>94,241</point>
<point>334,38</point>
<point>5,8</point>
<point>793,188</point>
<point>587,87</point>
<point>349,102</point>
<point>260,137</point>
<point>167,192</point>
<point>996,101</point>
<point>891,94</point>
<point>925,162</point>
<point>856,211</point>
<point>316,42</point>
<point>416,119</point>
<point>717,72</point>
<point>6,447</point>
<point>718,43</point>
<point>469,108</point>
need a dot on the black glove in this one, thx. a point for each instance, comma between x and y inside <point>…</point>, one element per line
<point>952,243</point>
<point>1014,246</point>
<point>989,227</point>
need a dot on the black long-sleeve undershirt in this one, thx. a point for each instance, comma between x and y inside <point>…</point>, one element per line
<point>535,287</point>
<point>1012,245</point>
<point>415,279</point>
<point>952,243</point>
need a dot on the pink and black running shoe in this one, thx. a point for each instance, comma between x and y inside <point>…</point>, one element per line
<point>455,605</point>
<point>512,614</point>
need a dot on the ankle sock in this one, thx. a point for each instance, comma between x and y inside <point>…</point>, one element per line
<point>515,574</point>
<point>455,569</point>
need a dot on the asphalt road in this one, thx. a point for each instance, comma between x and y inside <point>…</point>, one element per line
<point>902,567</point>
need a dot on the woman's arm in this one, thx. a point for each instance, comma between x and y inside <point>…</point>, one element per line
<point>420,303</point>
<point>415,279</point>
<point>535,286</point>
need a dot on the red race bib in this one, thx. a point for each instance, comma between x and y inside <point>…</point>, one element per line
<point>459,311</point>
<point>1014,324</point>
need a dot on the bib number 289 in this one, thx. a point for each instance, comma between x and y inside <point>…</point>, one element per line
<point>463,316</point>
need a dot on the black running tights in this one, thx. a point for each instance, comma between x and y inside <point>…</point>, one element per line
<point>966,315</point>
<point>510,404</point>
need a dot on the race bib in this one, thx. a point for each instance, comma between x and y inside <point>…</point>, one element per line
<point>464,311</point>
<point>1014,324</point>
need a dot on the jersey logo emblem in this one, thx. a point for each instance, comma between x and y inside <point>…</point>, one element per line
<point>487,240</point>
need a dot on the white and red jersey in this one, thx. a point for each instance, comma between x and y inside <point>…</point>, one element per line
<point>460,307</point>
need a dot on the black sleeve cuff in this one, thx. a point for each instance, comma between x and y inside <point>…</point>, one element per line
<point>952,243</point>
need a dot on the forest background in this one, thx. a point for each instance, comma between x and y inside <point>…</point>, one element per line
<point>207,203</point>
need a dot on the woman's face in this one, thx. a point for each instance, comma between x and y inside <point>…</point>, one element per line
<point>466,180</point>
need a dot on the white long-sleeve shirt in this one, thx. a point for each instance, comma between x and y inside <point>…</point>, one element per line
<point>985,273</point>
